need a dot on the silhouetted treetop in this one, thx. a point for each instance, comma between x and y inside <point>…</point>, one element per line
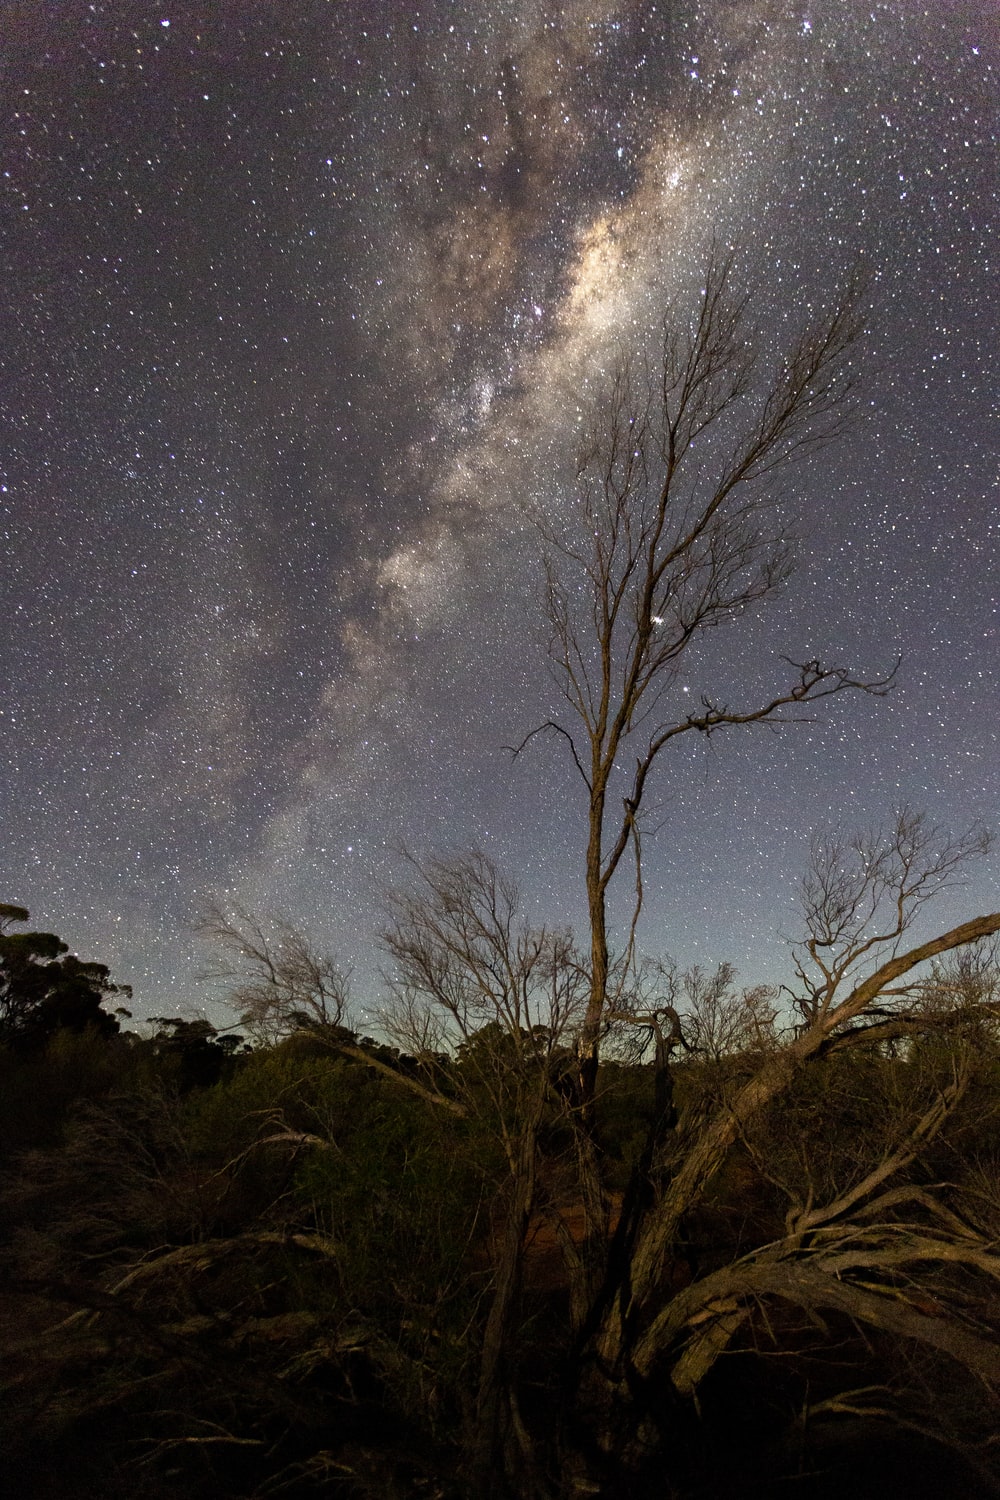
<point>44,988</point>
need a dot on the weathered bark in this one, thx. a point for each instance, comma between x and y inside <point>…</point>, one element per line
<point>590,1032</point>
<point>496,1451</point>
<point>640,1322</point>
<point>702,1319</point>
<point>712,1143</point>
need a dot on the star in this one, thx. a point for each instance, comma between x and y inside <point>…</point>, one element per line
<point>307,318</point>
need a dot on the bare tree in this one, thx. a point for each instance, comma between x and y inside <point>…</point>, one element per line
<point>498,1003</point>
<point>859,985</point>
<point>861,896</point>
<point>281,984</point>
<point>483,1010</point>
<point>472,980</point>
<point>678,529</point>
<point>720,1022</point>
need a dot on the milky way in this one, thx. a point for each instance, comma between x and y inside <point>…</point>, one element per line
<point>305,306</point>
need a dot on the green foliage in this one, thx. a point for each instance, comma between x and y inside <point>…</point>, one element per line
<point>390,1182</point>
<point>294,1254</point>
<point>42,1085</point>
<point>194,1051</point>
<point>253,1333</point>
<point>625,1101</point>
<point>44,988</point>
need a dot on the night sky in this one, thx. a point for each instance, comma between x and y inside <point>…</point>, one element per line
<point>301,304</point>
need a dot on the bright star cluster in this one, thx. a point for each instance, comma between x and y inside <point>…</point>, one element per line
<point>305,306</point>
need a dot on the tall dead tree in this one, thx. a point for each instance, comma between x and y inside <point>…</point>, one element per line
<point>678,528</point>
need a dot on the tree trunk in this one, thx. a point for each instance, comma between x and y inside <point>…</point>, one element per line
<point>496,1448</point>
<point>590,1034</point>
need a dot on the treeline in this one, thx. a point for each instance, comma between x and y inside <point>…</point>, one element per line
<point>237,1272</point>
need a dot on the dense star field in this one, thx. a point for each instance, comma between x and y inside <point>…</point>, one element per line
<point>304,307</point>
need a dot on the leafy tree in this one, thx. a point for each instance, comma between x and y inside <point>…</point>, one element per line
<point>199,1051</point>
<point>45,989</point>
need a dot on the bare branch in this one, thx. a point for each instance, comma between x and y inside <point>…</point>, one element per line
<point>862,894</point>
<point>677,529</point>
<point>550,727</point>
<point>282,985</point>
